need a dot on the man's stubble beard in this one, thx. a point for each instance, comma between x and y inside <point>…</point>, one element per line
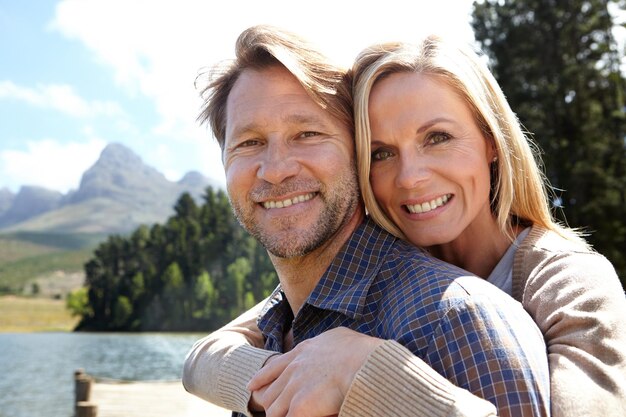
<point>340,205</point>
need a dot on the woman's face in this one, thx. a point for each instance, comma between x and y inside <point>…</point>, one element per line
<point>430,161</point>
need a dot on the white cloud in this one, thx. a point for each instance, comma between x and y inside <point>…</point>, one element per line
<point>155,48</point>
<point>199,152</point>
<point>619,31</point>
<point>50,163</point>
<point>59,97</point>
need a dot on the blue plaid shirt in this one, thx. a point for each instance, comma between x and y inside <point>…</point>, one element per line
<point>463,327</point>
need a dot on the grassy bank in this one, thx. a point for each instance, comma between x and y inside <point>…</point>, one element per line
<point>18,276</point>
<point>22,314</point>
<point>55,271</point>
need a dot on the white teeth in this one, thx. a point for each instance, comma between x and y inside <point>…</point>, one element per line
<point>288,202</point>
<point>429,205</point>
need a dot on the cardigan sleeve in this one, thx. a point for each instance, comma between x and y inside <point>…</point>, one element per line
<point>577,301</point>
<point>219,366</point>
<point>394,382</point>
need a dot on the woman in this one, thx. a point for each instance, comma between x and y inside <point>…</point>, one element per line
<point>452,171</point>
<point>443,163</point>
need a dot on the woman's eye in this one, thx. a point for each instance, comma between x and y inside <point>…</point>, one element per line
<point>381,154</point>
<point>439,137</point>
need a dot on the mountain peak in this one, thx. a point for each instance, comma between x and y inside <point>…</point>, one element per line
<point>120,154</point>
<point>119,174</point>
<point>193,178</point>
<point>30,201</point>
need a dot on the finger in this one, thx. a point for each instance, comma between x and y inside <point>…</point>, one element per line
<point>255,400</point>
<point>277,397</point>
<point>277,394</point>
<point>270,371</point>
<point>277,409</point>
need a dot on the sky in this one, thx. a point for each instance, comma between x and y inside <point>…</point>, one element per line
<point>76,75</point>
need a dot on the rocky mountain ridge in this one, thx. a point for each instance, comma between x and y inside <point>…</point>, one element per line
<point>117,194</point>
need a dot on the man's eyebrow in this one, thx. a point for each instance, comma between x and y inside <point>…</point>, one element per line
<point>293,119</point>
<point>240,130</point>
<point>299,118</point>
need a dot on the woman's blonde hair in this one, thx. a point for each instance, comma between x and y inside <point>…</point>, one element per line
<point>518,186</point>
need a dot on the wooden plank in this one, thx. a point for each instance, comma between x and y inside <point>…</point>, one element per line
<point>150,399</point>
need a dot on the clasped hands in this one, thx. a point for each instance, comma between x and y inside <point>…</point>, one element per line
<point>311,380</point>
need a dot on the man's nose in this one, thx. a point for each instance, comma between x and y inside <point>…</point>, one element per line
<point>278,164</point>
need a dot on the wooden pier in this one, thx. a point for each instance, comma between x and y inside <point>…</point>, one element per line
<point>109,398</point>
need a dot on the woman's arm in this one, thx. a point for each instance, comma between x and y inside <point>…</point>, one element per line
<point>365,377</point>
<point>391,381</point>
<point>219,366</point>
<point>578,303</point>
<point>394,382</point>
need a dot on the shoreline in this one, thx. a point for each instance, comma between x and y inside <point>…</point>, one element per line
<point>19,314</point>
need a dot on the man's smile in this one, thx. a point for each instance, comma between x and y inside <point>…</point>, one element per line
<point>272,204</point>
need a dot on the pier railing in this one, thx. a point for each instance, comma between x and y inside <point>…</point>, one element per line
<point>83,407</point>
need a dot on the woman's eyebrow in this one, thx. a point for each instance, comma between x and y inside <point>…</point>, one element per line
<point>432,122</point>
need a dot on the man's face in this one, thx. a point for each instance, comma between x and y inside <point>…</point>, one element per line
<point>289,164</point>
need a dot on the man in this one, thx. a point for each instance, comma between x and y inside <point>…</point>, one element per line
<point>283,117</point>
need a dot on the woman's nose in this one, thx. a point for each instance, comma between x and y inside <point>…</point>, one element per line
<point>411,172</point>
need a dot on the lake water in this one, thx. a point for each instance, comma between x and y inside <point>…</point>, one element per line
<point>37,369</point>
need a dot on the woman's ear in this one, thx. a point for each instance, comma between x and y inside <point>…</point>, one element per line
<point>492,153</point>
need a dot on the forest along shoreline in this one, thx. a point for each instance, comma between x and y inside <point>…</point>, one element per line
<point>196,271</point>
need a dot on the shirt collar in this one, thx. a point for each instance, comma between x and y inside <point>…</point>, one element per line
<point>345,284</point>
<point>275,312</point>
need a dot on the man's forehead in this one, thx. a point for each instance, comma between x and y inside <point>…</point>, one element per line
<point>272,94</point>
<point>262,84</point>
<point>272,75</point>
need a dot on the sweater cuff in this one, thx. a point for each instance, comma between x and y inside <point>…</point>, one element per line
<point>241,364</point>
<point>394,382</point>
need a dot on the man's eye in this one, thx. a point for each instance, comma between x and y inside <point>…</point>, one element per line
<point>308,134</point>
<point>381,154</point>
<point>248,143</point>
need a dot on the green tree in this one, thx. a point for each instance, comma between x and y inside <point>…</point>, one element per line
<point>103,276</point>
<point>249,300</point>
<point>223,237</point>
<point>77,303</point>
<point>174,295</point>
<point>237,276</point>
<point>122,311</point>
<point>205,296</point>
<point>185,236</point>
<point>138,286</point>
<point>559,67</point>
